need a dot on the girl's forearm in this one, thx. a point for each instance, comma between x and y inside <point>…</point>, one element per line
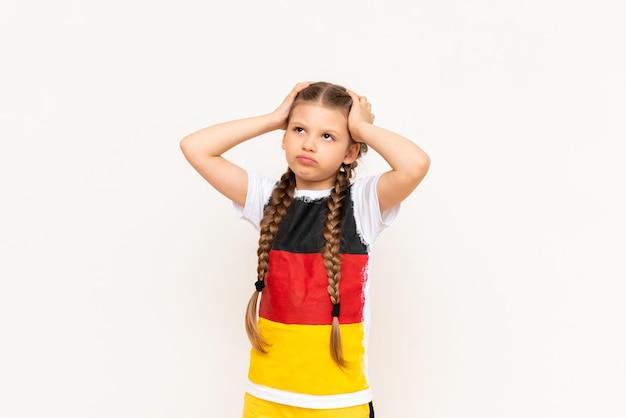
<point>403,156</point>
<point>217,139</point>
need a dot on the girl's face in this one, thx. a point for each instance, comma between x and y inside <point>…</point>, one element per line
<point>316,143</point>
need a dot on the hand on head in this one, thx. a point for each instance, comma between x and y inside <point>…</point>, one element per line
<point>282,112</point>
<point>360,112</point>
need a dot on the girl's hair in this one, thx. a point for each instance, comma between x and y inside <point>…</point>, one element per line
<point>333,96</point>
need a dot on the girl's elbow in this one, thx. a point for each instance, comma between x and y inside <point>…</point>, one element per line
<point>186,146</point>
<point>426,164</point>
<point>183,144</point>
<point>419,168</point>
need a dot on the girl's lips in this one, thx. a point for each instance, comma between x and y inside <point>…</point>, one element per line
<point>305,160</point>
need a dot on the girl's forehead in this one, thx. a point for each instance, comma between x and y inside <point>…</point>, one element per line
<point>318,114</point>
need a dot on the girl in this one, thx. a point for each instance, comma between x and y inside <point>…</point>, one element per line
<point>316,235</point>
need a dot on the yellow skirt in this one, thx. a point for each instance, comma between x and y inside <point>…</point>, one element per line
<point>258,408</point>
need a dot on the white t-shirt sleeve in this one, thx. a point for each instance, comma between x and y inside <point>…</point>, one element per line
<point>369,220</point>
<point>258,195</point>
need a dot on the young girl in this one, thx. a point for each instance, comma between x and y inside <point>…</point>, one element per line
<point>317,230</point>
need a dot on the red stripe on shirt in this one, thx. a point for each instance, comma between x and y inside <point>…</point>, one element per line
<point>303,298</point>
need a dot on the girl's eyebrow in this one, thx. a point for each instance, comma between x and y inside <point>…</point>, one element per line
<point>299,123</point>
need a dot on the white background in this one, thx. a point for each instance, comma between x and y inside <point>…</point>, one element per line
<point>499,292</point>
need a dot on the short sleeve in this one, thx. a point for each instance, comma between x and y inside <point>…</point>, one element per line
<point>258,194</point>
<point>370,222</point>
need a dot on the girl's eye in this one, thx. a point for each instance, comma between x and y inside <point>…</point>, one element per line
<point>298,129</point>
<point>328,137</point>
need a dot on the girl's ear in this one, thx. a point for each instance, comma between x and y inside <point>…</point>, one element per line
<point>352,153</point>
<point>284,137</point>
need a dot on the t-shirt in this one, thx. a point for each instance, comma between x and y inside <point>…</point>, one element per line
<point>295,310</point>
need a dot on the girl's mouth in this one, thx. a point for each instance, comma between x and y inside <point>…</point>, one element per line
<point>305,160</point>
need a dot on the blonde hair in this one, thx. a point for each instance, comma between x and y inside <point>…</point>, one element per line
<point>330,95</point>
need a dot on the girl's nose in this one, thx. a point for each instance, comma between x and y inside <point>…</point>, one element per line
<point>308,143</point>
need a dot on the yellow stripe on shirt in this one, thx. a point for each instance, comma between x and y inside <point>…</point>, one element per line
<point>299,360</point>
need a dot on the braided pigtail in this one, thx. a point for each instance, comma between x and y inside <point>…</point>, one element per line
<point>332,258</point>
<point>282,196</point>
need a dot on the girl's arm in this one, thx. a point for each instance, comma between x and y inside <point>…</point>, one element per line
<point>204,148</point>
<point>409,163</point>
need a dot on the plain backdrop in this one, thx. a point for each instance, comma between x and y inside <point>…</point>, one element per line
<point>499,291</point>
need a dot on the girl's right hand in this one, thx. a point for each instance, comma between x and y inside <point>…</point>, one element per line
<point>282,112</point>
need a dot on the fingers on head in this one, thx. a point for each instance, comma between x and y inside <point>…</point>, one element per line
<point>301,86</point>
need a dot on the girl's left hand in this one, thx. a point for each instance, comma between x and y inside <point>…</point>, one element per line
<point>360,112</point>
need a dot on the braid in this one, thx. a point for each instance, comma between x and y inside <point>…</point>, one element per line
<point>282,196</point>
<point>332,258</point>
